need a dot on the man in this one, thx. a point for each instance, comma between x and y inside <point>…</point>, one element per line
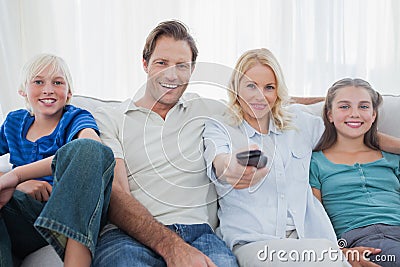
<point>161,190</point>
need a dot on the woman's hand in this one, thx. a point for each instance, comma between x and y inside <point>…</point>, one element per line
<point>229,170</point>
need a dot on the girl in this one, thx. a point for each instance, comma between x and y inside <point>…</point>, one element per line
<point>277,211</point>
<point>358,183</point>
<point>58,191</point>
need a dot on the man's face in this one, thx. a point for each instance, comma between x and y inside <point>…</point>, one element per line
<point>168,71</point>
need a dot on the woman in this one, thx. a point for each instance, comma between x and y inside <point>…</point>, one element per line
<point>356,181</point>
<point>265,210</point>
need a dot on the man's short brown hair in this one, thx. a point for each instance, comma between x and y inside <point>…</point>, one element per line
<point>171,28</point>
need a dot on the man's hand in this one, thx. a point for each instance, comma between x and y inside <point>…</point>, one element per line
<point>358,256</point>
<point>39,190</point>
<point>8,183</point>
<point>182,255</point>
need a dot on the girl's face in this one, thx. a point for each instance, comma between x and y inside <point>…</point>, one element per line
<point>352,112</point>
<point>257,94</point>
<point>47,94</point>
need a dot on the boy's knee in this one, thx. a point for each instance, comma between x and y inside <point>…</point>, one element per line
<point>87,147</point>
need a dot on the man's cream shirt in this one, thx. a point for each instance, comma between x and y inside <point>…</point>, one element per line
<point>164,158</point>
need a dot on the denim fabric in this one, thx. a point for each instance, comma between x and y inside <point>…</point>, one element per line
<point>385,237</point>
<point>116,248</point>
<point>5,246</point>
<point>19,215</point>
<point>77,208</point>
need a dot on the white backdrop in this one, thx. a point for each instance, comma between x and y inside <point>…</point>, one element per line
<point>316,42</point>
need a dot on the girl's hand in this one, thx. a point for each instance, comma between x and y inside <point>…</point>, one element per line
<point>357,256</point>
<point>39,190</point>
<point>8,183</point>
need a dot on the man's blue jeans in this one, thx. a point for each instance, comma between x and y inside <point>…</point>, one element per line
<point>116,248</point>
<point>77,208</point>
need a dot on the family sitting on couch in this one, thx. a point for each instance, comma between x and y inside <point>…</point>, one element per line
<point>168,146</point>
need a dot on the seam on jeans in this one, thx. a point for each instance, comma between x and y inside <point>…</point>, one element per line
<point>53,231</point>
<point>98,209</point>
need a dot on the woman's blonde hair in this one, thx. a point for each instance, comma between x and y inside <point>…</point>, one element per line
<point>40,62</point>
<point>249,59</point>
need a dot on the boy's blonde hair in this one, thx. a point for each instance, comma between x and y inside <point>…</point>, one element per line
<point>37,64</point>
<point>249,59</point>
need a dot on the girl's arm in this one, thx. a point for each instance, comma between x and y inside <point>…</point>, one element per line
<point>317,193</point>
<point>389,143</point>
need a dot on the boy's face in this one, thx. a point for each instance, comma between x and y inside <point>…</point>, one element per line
<point>47,94</point>
<point>168,70</point>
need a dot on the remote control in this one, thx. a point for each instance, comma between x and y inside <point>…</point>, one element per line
<point>252,158</point>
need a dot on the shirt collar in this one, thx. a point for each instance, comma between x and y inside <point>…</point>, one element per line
<point>250,131</point>
<point>182,102</point>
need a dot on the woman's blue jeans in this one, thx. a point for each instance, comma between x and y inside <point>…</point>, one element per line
<point>116,248</point>
<point>77,208</point>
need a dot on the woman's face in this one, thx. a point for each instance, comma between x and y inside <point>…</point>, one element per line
<point>257,94</point>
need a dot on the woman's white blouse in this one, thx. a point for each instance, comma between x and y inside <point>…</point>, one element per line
<point>283,199</point>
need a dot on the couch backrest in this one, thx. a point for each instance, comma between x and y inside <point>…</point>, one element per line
<point>92,103</point>
<point>388,121</point>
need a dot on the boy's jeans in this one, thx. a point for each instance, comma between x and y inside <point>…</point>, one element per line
<point>77,208</point>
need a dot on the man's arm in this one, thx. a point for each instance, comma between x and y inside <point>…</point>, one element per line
<point>389,143</point>
<point>131,216</point>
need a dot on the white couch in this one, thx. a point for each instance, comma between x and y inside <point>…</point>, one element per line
<point>388,123</point>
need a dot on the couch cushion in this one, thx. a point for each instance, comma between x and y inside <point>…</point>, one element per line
<point>389,119</point>
<point>46,257</point>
